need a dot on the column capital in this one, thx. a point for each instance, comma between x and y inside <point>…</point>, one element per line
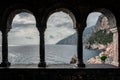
<point>3,30</point>
<point>80,27</point>
<point>113,30</point>
<point>41,28</point>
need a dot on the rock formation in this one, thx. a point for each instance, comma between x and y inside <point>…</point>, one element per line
<point>109,54</point>
<point>74,59</point>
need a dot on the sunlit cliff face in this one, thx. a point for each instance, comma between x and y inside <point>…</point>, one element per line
<point>104,23</point>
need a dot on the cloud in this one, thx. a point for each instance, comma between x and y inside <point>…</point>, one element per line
<point>64,24</point>
<point>23,25</point>
<point>24,18</point>
<point>27,35</point>
<point>51,36</point>
<point>23,30</point>
<point>60,19</point>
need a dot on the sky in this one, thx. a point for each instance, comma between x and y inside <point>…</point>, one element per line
<point>23,30</point>
<point>59,26</point>
<point>92,18</point>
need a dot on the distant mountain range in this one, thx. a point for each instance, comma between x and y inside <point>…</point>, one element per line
<point>72,39</point>
<point>87,33</point>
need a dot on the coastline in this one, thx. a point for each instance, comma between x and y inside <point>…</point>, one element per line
<point>107,51</point>
<point>95,46</point>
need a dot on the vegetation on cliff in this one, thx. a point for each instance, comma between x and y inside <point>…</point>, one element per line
<point>101,37</point>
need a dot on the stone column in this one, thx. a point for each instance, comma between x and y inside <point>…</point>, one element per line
<point>80,25</point>
<point>80,49</point>
<point>5,62</point>
<point>42,47</point>
<point>115,46</point>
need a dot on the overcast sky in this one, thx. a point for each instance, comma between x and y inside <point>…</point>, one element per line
<point>92,18</point>
<point>59,26</point>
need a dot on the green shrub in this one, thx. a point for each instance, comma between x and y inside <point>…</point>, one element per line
<point>103,58</point>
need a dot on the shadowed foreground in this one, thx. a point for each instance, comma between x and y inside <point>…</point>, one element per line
<point>60,72</point>
<point>62,66</point>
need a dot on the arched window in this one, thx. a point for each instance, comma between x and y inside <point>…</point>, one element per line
<point>100,39</point>
<point>60,38</point>
<point>23,40</point>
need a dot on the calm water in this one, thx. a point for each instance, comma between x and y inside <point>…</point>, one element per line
<point>88,53</point>
<point>55,54</point>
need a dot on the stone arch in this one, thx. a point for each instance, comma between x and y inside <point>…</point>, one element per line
<point>67,12</point>
<point>110,16</point>
<point>12,15</point>
<point>30,36</point>
<point>7,17</point>
<point>68,9</point>
<point>11,11</point>
<point>68,32</point>
<point>107,14</point>
<point>75,17</point>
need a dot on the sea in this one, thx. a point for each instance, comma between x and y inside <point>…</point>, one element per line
<point>54,54</point>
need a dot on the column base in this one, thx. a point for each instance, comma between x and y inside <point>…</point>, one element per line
<point>5,64</point>
<point>115,63</point>
<point>42,64</point>
<point>81,65</point>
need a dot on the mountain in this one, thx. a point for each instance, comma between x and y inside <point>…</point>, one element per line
<point>101,33</point>
<point>87,33</point>
<point>70,40</point>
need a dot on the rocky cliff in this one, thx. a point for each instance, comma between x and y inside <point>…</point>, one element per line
<point>101,35</point>
<point>111,49</point>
